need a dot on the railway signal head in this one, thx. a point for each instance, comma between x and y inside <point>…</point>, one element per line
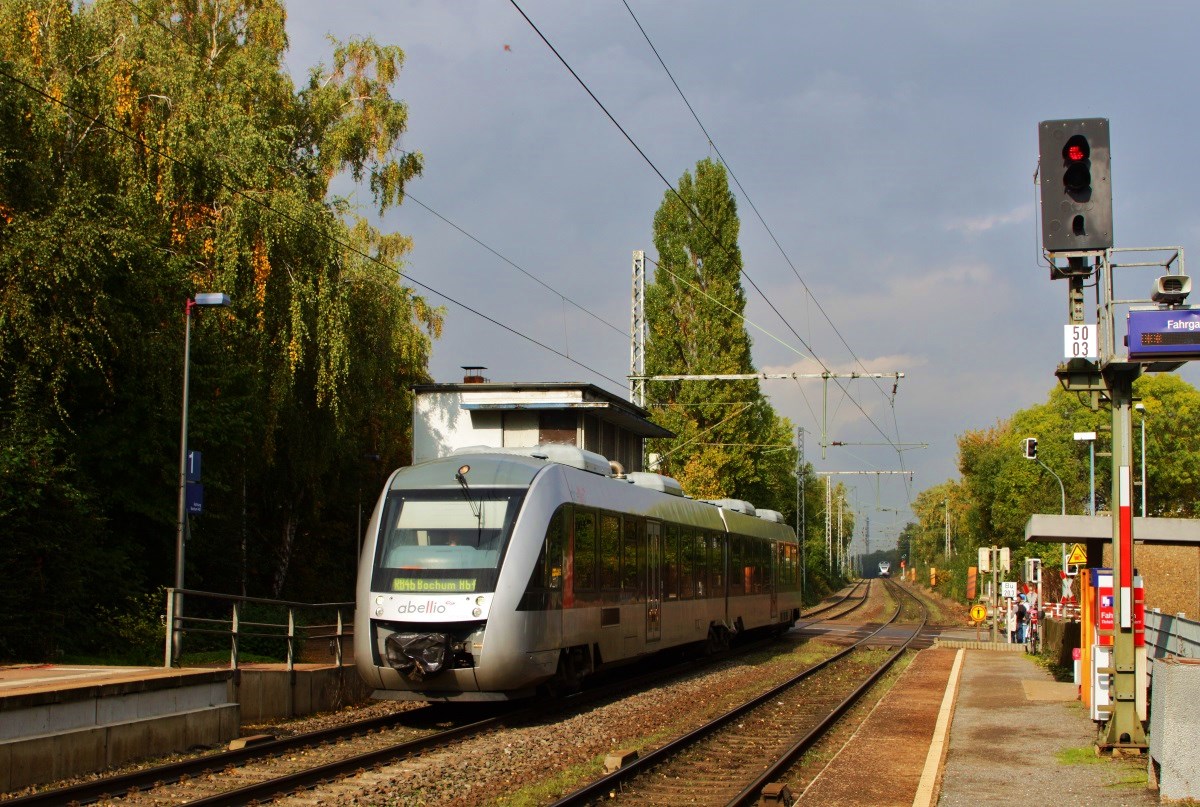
<point>1029,448</point>
<point>1075,184</point>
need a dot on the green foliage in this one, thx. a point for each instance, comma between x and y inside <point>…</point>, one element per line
<point>1001,489</point>
<point>729,441</point>
<point>134,633</point>
<point>147,154</point>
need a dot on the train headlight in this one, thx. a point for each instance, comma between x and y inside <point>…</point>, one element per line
<point>378,612</point>
<point>477,612</point>
<point>480,600</point>
<point>379,600</point>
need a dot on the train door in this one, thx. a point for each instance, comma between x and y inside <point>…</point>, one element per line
<point>653,581</point>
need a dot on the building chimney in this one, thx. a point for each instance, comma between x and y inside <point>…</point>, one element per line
<point>473,375</point>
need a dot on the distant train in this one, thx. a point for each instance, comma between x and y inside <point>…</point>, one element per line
<point>885,568</point>
<point>496,573</point>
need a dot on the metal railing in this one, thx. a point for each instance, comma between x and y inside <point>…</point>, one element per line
<point>1171,635</point>
<point>236,627</point>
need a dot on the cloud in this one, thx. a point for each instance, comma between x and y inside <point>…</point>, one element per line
<point>982,224</point>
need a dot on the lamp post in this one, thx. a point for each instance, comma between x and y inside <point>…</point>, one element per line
<point>1030,453</point>
<point>1139,407</point>
<point>206,299</point>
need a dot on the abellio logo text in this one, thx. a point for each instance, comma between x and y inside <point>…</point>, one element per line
<point>411,607</point>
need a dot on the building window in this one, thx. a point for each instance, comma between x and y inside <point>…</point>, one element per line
<point>558,427</point>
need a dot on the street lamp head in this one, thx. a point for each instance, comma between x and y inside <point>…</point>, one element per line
<point>1140,407</point>
<point>212,298</point>
<point>1088,436</point>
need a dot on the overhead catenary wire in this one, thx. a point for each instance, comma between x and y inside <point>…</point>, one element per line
<point>687,207</point>
<point>764,223</point>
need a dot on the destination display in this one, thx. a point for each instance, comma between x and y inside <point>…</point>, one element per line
<point>1164,334</point>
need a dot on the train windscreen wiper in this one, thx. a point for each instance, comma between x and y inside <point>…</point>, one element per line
<point>476,507</point>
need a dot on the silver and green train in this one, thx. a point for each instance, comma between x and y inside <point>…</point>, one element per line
<point>497,573</point>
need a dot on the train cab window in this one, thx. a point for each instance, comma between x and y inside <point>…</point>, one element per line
<point>584,554</point>
<point>437,541</point>
<point>671,562</point>
<point>610,552</point>
<point>687,563</point>
<point>632,559</point>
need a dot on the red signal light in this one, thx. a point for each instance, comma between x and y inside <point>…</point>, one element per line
<point>1075,153</point>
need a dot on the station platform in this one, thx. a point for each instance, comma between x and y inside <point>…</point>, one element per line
<point>971,723</point>
<point>59,720</point>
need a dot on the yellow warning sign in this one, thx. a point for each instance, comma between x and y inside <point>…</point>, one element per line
<point>1078,555</point>
<point>978,613</point>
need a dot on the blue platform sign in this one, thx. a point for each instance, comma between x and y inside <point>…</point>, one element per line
<point>194,498</point>
<point>1164,334</point>
<point>193,466</point>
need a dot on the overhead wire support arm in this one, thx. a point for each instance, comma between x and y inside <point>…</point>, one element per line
<point>761,376</point>
<point>824,376</point>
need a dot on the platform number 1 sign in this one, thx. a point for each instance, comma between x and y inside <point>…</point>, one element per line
<point>1080,341</point>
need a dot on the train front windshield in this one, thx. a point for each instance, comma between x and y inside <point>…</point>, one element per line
<point>434,541</point>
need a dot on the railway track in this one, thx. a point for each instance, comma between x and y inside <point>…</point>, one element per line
<point>849,602</point>
<point>264,771</point>
<point>723,761</point>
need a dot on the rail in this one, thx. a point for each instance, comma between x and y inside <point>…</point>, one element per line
<point>236,627</point>
<point>1171,635</point>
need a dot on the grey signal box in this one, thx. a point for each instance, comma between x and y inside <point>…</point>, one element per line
<point>1076,185</point>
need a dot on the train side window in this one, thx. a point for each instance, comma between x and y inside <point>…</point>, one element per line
<point>794,571</point>
<point>737,585</point>
<point>584,569</point>
<point>610,552</point>
<point>633,549</point>
<point>544,590</point>
<point>701,571</point>
<point>762,561</point>
<point>552,552</point>
<point>671,562</point>
<point>687,563</point>
<point>716,564</point>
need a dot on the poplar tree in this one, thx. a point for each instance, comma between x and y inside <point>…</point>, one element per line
<point>730,443</point>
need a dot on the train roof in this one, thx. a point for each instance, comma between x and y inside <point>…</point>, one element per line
<point>487,466</point>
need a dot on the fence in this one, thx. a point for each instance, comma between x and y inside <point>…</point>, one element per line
<point>208,618</point>
<point>1171,635</point>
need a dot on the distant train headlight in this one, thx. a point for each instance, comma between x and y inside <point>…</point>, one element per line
<point>476,612</point>
<point>480,600</point>
<point>378,612</point>
<point>379,600</point>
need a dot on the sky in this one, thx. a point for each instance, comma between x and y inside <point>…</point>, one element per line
<point>889,147</point>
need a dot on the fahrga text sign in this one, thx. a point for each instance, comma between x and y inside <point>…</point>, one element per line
<point>1172,333</point>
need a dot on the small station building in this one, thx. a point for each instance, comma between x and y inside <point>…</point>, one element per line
<point>479,412</point>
